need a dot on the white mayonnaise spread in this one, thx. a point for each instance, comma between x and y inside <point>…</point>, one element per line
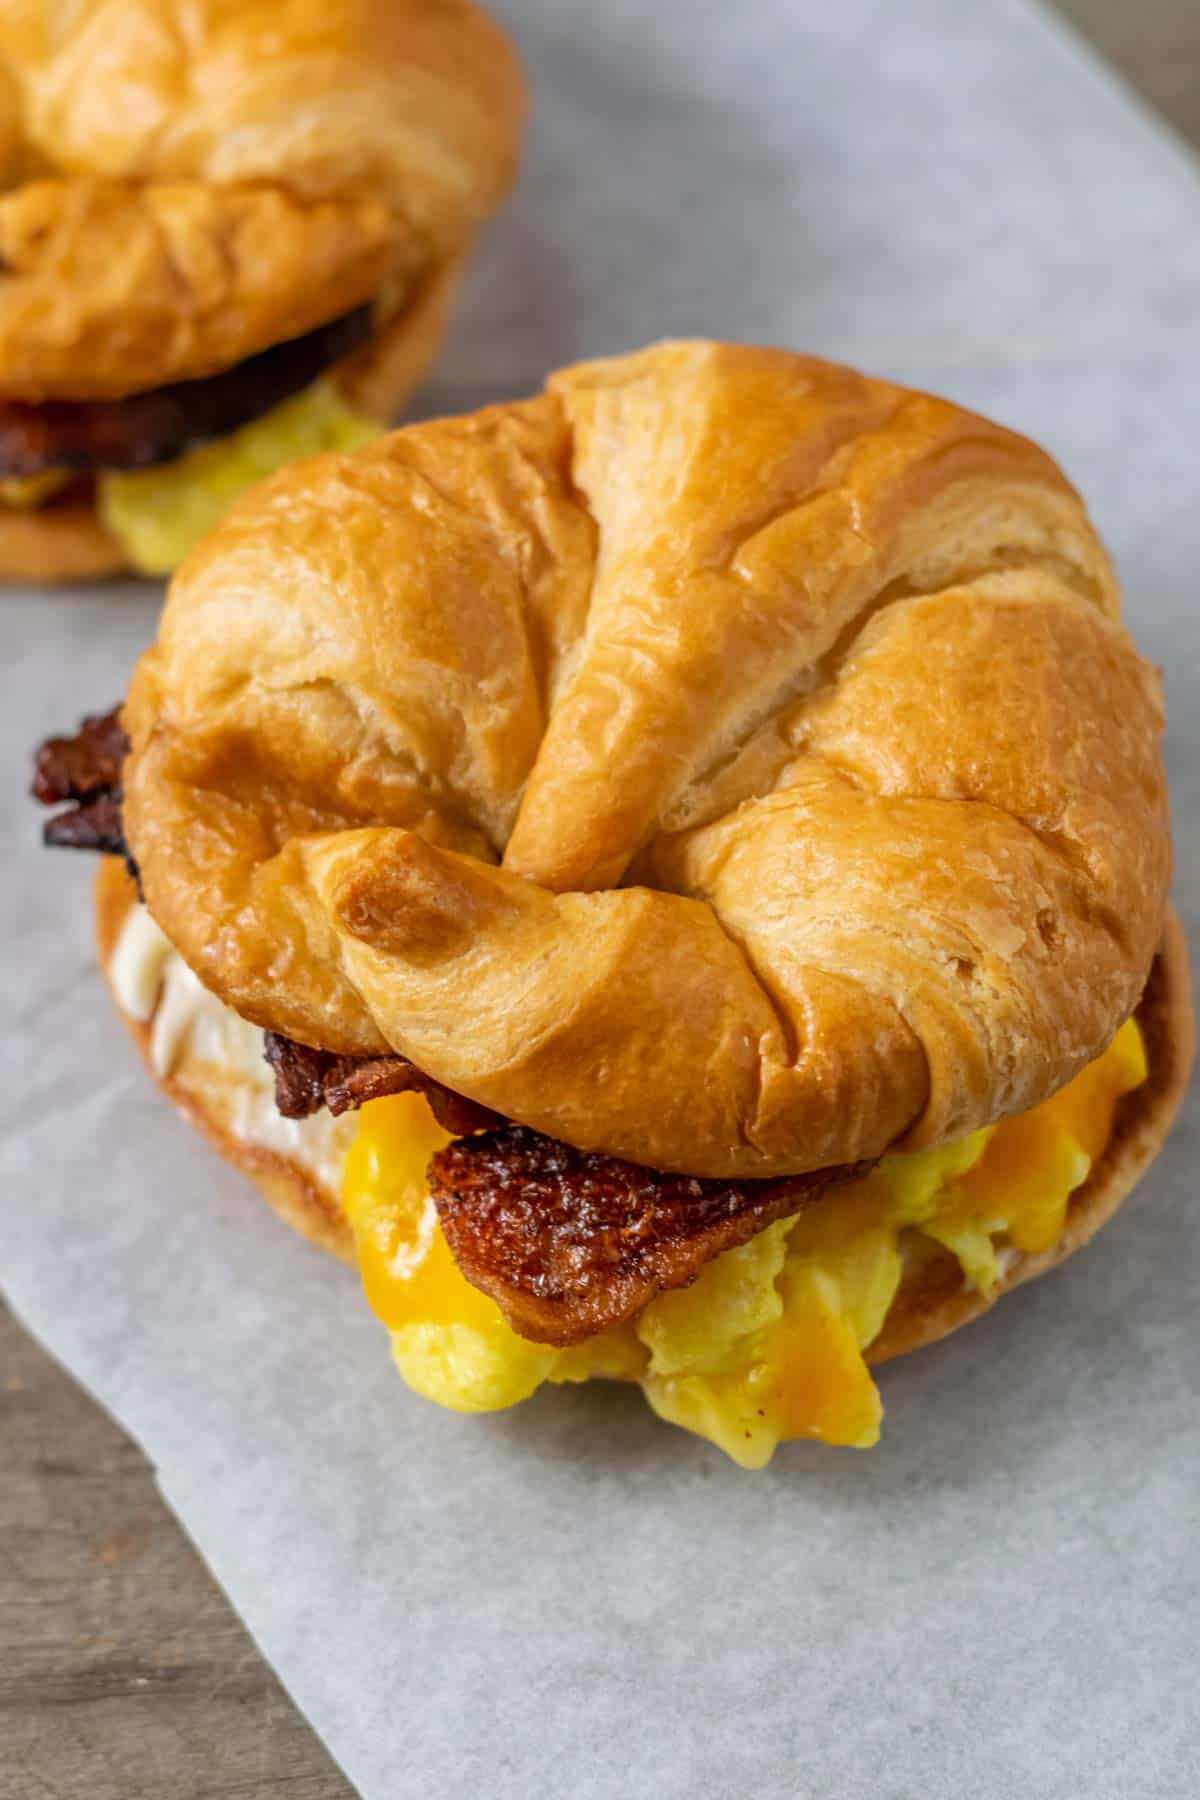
<point>154,985</point>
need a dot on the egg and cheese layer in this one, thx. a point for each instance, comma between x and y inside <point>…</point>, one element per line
<point>158,514</point>
<point>768,1343</point>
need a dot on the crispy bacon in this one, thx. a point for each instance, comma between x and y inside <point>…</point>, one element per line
<point>93,826</point>
<point>79,767</point>
<point>299,1075</point>
<point>85,771</point>
<point>354,1081</point>
<point>159,426</point>
<point>569,1242</point>
<point>308,1079</point>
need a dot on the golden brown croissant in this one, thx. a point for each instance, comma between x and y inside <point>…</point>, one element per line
<point>190,185</point>
<point>728,772</point>
<point>722,761</point>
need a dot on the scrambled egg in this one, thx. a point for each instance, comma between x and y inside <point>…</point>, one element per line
<point>767,1344</point>
<point>158,514</point>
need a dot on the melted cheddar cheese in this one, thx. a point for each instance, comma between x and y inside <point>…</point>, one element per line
<point>768,1343</point>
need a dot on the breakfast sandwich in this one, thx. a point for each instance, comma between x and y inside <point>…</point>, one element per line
<point>229,236</point>
<point>669,876</point>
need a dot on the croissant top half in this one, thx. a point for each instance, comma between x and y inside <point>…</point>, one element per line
<point>187,181</point>
<point>721,760</point>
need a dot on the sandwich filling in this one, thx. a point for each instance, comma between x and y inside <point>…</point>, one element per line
<point>770,1338</point>
<point>163,466</point>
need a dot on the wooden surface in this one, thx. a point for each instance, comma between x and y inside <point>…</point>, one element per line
<point>1156,46</point>
<point>124,1674</point>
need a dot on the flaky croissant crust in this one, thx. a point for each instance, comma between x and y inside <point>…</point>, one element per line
<point>191,180</point>
<point>66,540</point>
<point>722,760</point>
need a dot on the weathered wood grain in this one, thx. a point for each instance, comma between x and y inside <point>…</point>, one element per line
<point>124,1674</point>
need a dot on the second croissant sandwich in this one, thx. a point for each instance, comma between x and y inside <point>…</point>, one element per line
<point>695,842</point>
<point>229,236</point>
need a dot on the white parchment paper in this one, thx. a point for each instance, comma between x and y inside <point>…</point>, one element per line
<point>571,1599</point>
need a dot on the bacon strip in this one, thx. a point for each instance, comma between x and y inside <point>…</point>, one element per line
<point>94,826</point>
<point>308,1079</point>
<point>299,1075</point>
<point>78,767</point>
<point>569,1242</point>
<point>85,770</point>
<point>159,426</point>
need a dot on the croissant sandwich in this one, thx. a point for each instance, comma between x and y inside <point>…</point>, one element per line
<point>696,845</point>
<point>229,236</point>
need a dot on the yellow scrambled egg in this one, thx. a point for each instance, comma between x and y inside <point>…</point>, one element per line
<point>158,514</point>
<point>767,1344</point>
